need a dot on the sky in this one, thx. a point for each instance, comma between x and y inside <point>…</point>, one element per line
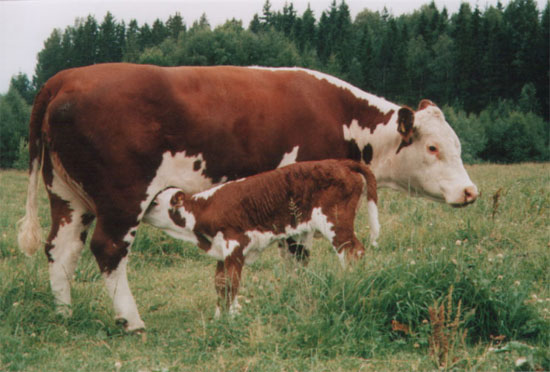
<point>26,24</point>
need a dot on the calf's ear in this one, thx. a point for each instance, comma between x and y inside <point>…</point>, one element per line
<point>405,122</point>
<point>177,199</point>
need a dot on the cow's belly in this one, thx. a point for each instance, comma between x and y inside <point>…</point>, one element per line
<point>178,170</point>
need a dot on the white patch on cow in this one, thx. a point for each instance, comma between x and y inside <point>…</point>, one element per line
<point>289,157</point>
<point>221,248</point>
<point>207,194</point>
<point>218,312</point>
<point>67,248</point>
<point>67,245</point>
<point>320,222</point>
<point>372,216</point>
<point>177,170</point>
<point>354,131</point>
<point>125,306</point>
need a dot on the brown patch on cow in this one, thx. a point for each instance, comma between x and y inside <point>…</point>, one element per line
<point>425,103</point>
<point>405,126</point>
<point>176,217</point>
<point>107,252</point>
<point>176,202</point>
<point>177,199</point>
<point>61,215</point>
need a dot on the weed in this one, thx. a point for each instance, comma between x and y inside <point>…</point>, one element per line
<point>447,333</point>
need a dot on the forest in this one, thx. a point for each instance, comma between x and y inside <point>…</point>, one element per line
<point>487,68</point>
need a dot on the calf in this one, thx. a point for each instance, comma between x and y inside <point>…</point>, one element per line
<point>234,222</point>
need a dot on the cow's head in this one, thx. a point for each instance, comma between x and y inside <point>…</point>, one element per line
<point>427,161</point>
<point>168,213</point>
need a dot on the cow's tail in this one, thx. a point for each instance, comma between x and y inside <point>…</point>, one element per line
<point>29,235</point>
<point>372,198</point>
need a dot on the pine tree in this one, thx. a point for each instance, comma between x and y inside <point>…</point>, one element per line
<point>50,58</point>
<point>175,25</point>
<point>109,43</point>
<point>131,48</point>
<point>85,43</point>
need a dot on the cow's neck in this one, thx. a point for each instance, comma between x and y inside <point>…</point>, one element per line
<point>387,141</point>
<point>383,142</point>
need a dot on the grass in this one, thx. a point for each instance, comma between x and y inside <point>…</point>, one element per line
<point>487,265</point>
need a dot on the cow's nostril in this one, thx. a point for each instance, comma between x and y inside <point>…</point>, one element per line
<point>470,194</point>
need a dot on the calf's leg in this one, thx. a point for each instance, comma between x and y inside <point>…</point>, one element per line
<point>227,280</point>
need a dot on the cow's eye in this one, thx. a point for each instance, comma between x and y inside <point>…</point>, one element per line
<point>432,149</point>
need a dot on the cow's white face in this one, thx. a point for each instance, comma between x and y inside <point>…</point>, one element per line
<point>430,165</point>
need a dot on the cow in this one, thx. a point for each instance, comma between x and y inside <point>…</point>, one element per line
<point>109,137</point>
<point>235,221</point>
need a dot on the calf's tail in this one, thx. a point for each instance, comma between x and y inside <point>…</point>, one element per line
<point>29,237</point>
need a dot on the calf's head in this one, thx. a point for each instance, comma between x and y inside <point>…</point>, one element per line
<point>427,161</point>
<point>168,213</point>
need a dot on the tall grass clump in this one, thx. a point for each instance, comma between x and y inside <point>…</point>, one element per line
<point>335,312</point>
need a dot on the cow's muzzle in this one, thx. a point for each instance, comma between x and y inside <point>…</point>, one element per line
<point>470,195</point>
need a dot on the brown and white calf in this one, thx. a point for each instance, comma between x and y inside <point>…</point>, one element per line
<point>236,221</point>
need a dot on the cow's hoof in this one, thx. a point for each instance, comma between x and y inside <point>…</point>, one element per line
<point>64,310</point>
<point>136,328</point>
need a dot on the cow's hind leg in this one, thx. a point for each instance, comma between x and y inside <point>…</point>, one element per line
<point>70,223</point>
<point>111,246</point>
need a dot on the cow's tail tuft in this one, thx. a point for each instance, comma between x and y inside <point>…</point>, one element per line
<point>29,237</point>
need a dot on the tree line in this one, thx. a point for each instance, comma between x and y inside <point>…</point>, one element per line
<point>488,68</point>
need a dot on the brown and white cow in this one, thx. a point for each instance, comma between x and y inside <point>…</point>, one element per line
<point>235,221</point>
<point>109,137</point>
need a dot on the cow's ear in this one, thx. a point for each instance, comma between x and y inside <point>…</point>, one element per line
<point>405,122</point>
<point>425,103</point>
<point>177,199</point>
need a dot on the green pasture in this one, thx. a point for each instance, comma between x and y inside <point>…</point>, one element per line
<point>461,289</point>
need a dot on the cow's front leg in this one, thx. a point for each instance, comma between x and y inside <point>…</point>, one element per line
<point>112,257</point>
<point>227,280</point>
